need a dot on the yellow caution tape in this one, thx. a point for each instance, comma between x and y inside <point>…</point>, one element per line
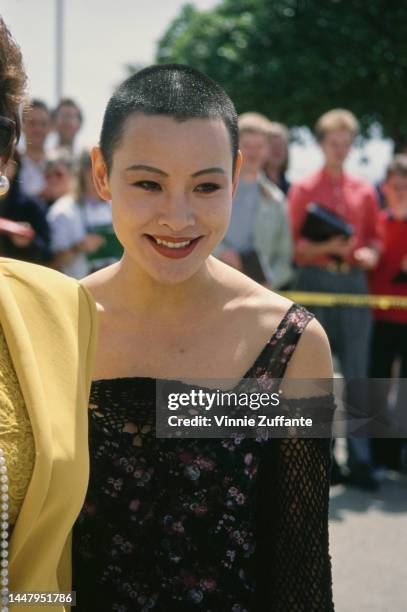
<point>383,302</point>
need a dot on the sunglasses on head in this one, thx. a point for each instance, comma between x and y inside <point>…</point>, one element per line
<point>7,136</point>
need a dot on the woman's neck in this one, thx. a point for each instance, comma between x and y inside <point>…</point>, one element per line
<point>136,291</point>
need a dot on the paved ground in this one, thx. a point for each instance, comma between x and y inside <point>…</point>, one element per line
<point>368,533</point>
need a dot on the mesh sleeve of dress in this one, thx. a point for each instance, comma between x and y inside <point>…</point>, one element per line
<point>293,561</point>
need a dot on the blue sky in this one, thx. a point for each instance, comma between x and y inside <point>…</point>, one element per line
<point>101,37</point>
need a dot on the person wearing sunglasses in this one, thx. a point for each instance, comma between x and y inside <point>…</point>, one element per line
<point>47,339</point>
<point>7,138</point>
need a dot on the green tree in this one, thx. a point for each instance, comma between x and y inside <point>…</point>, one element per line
<point>294,59</point>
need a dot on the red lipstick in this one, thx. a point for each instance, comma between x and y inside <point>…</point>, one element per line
<point>180,246</point>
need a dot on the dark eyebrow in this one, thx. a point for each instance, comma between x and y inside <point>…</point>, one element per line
<point>147,169</point>
<point>209,171</point>
<point>154,170</point>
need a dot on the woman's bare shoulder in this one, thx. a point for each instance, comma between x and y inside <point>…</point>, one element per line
<point>258,312</point>
<point>267,307</point>
<point>312,358</point>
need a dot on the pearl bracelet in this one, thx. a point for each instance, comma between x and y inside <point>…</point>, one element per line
<point>4,527</point>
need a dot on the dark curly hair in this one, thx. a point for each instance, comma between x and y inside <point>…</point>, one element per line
<point>12,76</point>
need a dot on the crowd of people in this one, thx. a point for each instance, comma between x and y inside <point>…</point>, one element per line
<point>330,232</point>
<point>61,221</point>
<point>168,523</point>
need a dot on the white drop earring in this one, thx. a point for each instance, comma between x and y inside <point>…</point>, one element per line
<point>4,185</point>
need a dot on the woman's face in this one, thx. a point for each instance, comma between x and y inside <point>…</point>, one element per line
<point>254,148</point>
<point>58,179</point>
<point>171,188</point>
<point>395,190</point>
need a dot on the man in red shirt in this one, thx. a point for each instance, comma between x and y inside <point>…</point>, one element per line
<point>389,337</point>
<point>340,264</point>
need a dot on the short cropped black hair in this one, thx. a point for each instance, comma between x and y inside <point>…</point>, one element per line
<point>172,90</point>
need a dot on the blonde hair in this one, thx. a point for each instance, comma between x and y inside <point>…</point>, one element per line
<point>278,129</point>
<point>253,123</point>
<point>336,119</point>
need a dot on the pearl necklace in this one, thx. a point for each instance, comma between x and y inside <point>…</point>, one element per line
<point>3,533</point>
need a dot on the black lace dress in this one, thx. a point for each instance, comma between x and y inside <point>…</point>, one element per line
<point>209,525</point>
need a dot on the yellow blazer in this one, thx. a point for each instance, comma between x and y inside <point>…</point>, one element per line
<point>49,322</point>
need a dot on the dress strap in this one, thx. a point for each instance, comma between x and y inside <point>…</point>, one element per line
<point>277,353</point>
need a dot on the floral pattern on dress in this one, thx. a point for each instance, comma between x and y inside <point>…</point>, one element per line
<point>170,525</point>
